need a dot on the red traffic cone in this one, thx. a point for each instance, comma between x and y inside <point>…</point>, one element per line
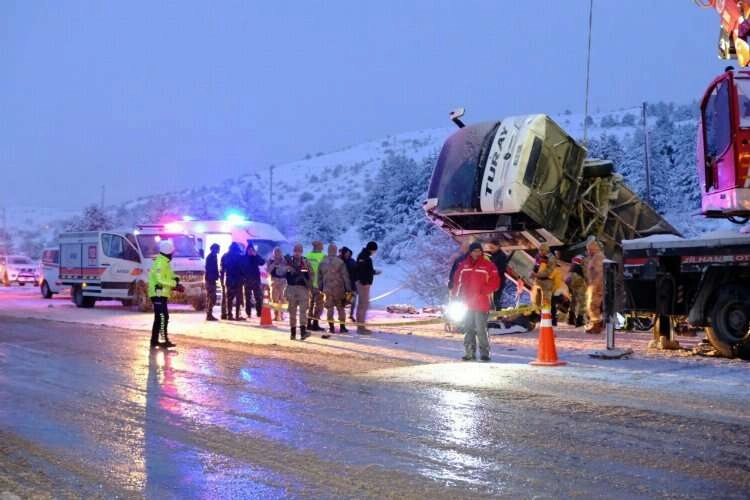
<point>265,313</point>
<point>547,354</point>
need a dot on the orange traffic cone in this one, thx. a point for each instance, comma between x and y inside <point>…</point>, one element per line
<point>265,313</point>
<point>547,354</point>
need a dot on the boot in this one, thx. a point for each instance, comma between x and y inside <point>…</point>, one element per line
<point>309,324</point>
<point>595,328</point>
<point>237,316</point>
<point>330,331</point>
<point>343,329</point>
<point>316,327</point>
<point>579,320</point>
<point>210,317</point>
<point>167,342</point>
<point>277,316</point>
<point>304,334</point>
<point>293,336</point>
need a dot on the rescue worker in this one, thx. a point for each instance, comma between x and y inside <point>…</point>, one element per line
<point>498,257</point>
<point>277,271</point>
<point>161,281</point>
<point>212,275</point>
<point>543,285</point>
<point>577,286</point>
<point>559,290</point>
<point>351,267</point>
<point>251,280</point>
<point>315,257</point>
<point>234,280</point>
<point>299,282</point>
<point>365,276</point>
<point>594,271</point>
<point>335,283</point>
<point>475,281</point>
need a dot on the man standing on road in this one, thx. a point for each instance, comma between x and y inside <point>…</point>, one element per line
<point>212,275</point>
<point>298,283</point>
<point>335,283</point>
<point>234,280</point>
<point>161,281</point>
<point>251,276</point>
<point>223,282</point>
<point>476,279</point>
<point>351,267</point>
<point>498,257</point>
<point>594,271</point>
<point>315,257</point>
<point>277,272</point>
<point>365,276</point>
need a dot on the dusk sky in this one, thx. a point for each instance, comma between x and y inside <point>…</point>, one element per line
<point>148,97</point>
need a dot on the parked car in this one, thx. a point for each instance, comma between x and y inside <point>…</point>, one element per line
<point>49,273</point>
<point>17,269</point>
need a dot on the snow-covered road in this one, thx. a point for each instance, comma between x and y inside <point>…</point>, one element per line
<point>86,410</point>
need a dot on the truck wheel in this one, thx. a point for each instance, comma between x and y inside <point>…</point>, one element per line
<point>46,292</point>
<point>80,301</point>
<point>730,319</point>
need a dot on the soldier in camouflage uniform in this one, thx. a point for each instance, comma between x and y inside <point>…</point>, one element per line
<point>335,283</point>
<point>577,286</point>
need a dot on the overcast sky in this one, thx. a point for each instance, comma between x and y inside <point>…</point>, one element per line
<point>151,96</point>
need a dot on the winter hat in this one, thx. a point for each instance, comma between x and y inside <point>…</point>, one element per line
<point>578,259</point>
<point>166,247</point>
<point>475,246</point>
<point>372,246</point>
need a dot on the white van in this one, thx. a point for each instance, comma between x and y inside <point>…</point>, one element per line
<point>49,273</point>
<point>114,265</point>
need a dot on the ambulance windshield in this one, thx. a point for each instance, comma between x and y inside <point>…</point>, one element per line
<point>184,245</point>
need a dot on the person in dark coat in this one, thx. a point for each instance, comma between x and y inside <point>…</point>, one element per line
<point>212,275</point>
<point>223,283</point>
<point>365,276</point>
<point>498,257</point>
<point>251,279</point>
<point>463,252</point>
<point>351,267</point>
<point>232,264</point>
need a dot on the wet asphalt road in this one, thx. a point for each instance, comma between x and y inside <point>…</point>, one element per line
<point>86,411</point>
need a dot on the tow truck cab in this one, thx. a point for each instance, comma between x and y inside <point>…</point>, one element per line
<point>723,147</point>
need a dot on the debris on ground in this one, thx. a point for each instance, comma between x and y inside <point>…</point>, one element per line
<point>401,309</point>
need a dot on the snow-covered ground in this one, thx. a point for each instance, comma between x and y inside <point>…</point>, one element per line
<point>420,338</point>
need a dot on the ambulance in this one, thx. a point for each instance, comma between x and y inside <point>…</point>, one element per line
<point>114,265</point>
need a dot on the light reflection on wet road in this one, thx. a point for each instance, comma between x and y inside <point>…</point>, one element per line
<point>92,412</point>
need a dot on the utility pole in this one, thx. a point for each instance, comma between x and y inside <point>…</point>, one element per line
<point>270,192</point>
<point>646,152</point>
<point>588,78</point>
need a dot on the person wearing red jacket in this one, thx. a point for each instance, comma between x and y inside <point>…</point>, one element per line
<point>475,281</point>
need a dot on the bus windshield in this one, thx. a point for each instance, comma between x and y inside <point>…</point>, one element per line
<point>184,245</point>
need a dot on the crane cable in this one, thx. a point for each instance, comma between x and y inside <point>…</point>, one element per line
<point>588,77</point>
